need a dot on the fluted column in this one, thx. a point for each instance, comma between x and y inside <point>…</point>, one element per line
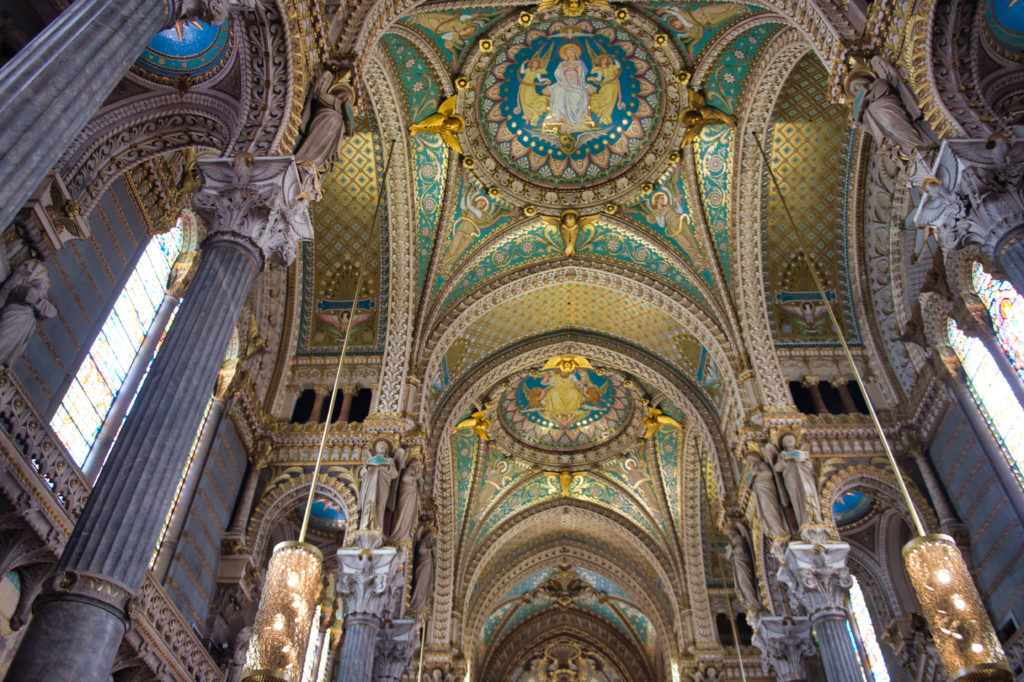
<point>818,580</point>
<point>56,84</point>
<point>396,642</point>
<point>255,213</point>
<point>784,643</point>
<point>365,582</point>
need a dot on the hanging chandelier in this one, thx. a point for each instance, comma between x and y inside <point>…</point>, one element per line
<point>956,616</point>
<point>280,632</point>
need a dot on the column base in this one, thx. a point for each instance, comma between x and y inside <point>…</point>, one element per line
<point>52,646</point>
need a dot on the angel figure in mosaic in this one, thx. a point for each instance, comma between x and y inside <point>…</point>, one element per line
<point>533,104</point>
<point>699,114</point>
<point>496,478</point>
<point>445,123</point>
<point>453,29</point>
<point>569,225</point>
<point>605,75</point>
<point>693,23</point>
<point>478,213</point>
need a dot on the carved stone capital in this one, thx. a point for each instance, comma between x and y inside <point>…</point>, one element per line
<point>97,590</point>
<point>817,578</point>
<point>784,642</point>
<point>365,579</point>
<point>210,11</point>
<point>974,193</point>
<point>396,642</point>
<point>256,202</point>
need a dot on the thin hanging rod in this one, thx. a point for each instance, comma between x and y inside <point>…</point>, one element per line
<point>846,350</point>
<point>344,346</point>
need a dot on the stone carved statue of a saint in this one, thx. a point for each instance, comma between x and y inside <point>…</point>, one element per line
<point>742,560</point>
<point>407,505</point>
<point>885,104</point>
<point>325,120</point>
<point>799,480</point>
<point>23,301</point>
<point>237,666</point>
<point>766,493</point>
<point>374,482</point>
<point>423,573</point>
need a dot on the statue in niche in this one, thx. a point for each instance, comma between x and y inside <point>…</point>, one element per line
<point>761,479</point>
<point>374,483</point>
<point>407,504</point>
<point>742,560</point>
<point>423,573</point>
<point>885,105</point>
<point>24,303</point>
<point>325,120</point>
<point>800,483</point>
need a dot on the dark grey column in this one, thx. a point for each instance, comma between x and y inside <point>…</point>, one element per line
<point>51,89</point>
<point>818,580</point>
<point>253,215</point>
<point>1009,255</point>
<point>366,580</point>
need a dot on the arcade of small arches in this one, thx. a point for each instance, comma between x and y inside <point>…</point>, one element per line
<point>594,420</point>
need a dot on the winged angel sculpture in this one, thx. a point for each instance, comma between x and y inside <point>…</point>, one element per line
<point>445,123</point>
<point>569,225</point>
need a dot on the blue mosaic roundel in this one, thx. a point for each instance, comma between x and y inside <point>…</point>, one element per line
<point>852,506</point>
<point>199,50</point>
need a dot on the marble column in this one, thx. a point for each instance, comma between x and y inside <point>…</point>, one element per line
<point>56,84</point>
<point>348,393</point>
<point>234,537</point>
<point>321,393</point>
<point>818,581</point>
<point>811,384</point>
<point>256,213</point>
<point>784,643</point>
<point>396,642</point>
<point>366,576</point>
<point>842,384</point>
<point>974,195</point>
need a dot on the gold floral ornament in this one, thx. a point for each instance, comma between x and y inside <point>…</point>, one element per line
<point>486,45</point>
<point>525,19</point>
<point>461,82</point>
<point>699,114</point>
<point>445,123</point>
<point>569,225</point>
<point>477,422</point>
<point>573,8</point>
<point>622,15</point>
<point>656,419</point>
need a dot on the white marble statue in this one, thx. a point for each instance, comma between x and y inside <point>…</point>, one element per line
<point>886,106</point>
<point>743,567</point>
<point>374,482</point>
<point>325,120</point>
<point>23,301</point>
<point>799,480</point>
<point>766,494</point>
<point>423,574</point>
<point>407,505</point>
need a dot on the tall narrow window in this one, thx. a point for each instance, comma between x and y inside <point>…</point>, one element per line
<point>862,619</point>
<point>994,397</point>
<point>88,400</point>
<point>1006,308</point>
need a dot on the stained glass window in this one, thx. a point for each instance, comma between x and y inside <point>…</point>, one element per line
<point>862,619</point>
<point>84,408</point>
<point>181,484</point>
<point>1006,308</point>
<point>994,397</point>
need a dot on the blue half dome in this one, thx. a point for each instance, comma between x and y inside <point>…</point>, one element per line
<point>852,506</point>
<point>200,49</point>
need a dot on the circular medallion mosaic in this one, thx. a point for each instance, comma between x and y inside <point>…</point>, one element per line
<point>571,110</point>
<point>570,102</point>
<point>562,418</point>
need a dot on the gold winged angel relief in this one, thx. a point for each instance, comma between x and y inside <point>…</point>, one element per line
<point>568,226</point>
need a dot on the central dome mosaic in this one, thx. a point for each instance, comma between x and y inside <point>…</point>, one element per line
<point>571,110</point>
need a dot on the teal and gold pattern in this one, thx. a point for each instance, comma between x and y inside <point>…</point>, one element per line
<point>570,101</point>
<point>694,25</point>
<point>453,30</point>
<point>422,96</point>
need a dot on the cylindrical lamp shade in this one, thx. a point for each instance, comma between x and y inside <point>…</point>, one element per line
<point>959,625</point>
<point>290,594</point>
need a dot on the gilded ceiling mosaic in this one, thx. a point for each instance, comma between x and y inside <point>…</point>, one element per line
<point>330,264</point>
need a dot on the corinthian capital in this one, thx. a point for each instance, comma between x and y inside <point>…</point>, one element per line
<point>257,202</point>
<point>817,578</point>
<point>396,642</point>
<point>784,643</point>
<point>365,579</point>
<point>974,193</point>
